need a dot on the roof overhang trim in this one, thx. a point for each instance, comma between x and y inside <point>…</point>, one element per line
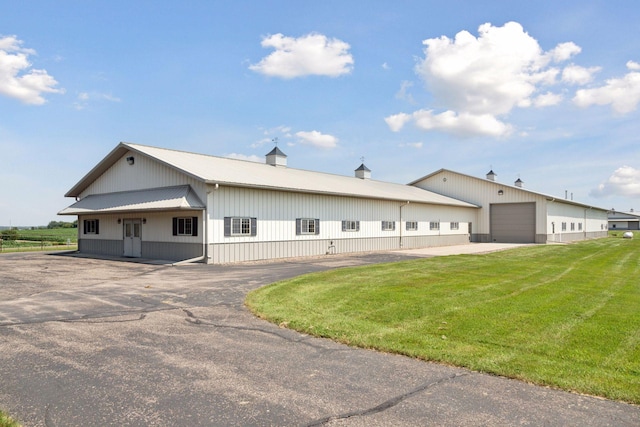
<point>156,199</point>
<point>454,202</point>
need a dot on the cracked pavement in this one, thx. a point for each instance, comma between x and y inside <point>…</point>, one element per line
<point>89,342</point>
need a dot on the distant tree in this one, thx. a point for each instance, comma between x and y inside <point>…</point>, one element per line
<point>62,224</point>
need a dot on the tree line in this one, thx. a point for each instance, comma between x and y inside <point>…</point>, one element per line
<point>62,224</point>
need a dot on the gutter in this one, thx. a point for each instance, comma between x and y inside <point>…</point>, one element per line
<point>205,240</point>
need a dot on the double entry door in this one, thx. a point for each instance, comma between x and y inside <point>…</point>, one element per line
<point>133,238</point>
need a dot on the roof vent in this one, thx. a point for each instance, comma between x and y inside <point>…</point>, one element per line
<point>491,176</point>
<point>363,172</point>
<point>518,183</point>
<point>276,157</point>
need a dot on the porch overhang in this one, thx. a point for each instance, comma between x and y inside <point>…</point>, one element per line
<point>156,199</point>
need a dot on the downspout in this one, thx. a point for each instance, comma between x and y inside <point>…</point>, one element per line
<point>553,228</point>
<point>205,228</point>
<point>200,257</point>
<point>209,210</point>
<point>585,222</point>
<point>401,206</point>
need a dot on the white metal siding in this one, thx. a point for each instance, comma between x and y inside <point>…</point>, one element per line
<point>158,226</point>
<point>276,213</point>
<point>144,173</point>
<point>594,222</point>
<point>484,193</point>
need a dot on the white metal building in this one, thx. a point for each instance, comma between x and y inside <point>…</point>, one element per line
<point>149,202</point>
<point>624,220</point>
<point>513,214</point>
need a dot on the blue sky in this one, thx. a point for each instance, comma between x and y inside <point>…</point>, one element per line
<point>545,91</point>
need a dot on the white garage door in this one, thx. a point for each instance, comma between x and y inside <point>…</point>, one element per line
<point>513,223</point>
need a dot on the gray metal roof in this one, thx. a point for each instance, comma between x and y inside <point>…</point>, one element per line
<point>623,216</point>
<point>241,173</point>
<point>276,152</point>
<point>155,199</point>
<point>501,184</point>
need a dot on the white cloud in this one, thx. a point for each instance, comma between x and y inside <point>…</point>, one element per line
<point>84,98</point>
<point>273,135</point>
<point>313,54</point>
<point>547,99</point>
<point>17,79</point>
<point>625,181</point>
<point>411,144</point>
<point>632,65</point>
<point>385,66</point>
<point>403,93</point>
<point>623,94</point>
<point>262,142</point>
<point>397,121</point>
<point>575,74</point>
<point>278,130</point>
<point>490,74</point>
<point>251,158</point>
<point>317,139</point>
<point>462,124</point>
<point>477,80</point>
<point>564,51</point>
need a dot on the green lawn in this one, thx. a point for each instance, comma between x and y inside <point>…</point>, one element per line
<point>566,316</point>
<point>7,421</point>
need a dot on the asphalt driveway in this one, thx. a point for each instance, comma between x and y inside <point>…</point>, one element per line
<point>87,342</point>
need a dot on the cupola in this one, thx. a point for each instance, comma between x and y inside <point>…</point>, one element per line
<point>363,172</point>
<point>276,157</point>
<point>491,176</point>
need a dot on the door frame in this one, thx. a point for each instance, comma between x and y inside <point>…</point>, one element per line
<point>132,244</point>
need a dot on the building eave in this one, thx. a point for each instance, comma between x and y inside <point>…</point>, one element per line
<point>110,159</point>
<point>548,197</point>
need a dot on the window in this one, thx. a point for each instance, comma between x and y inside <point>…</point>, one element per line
<point>564,226</point>
<point>412,225</point>
<point>240,226</point>
<point>573,226</point>
<point>388,225</point>
<point>307,226</point>
<point>454,226</point>
<point>186,226</point>
<point>348,225</point>
<point>434,225</point>
<point>91,226</point>
<point>579,226</point>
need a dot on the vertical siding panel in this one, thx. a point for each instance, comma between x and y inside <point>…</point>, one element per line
<point>277,211</point>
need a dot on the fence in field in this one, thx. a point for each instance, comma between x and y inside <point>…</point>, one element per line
<point>31,242</point>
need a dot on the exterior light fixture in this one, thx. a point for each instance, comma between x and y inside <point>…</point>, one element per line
<point>144,220</point>
<point>131,160</point>
<point>119,220</point>
<point>500,192</point>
